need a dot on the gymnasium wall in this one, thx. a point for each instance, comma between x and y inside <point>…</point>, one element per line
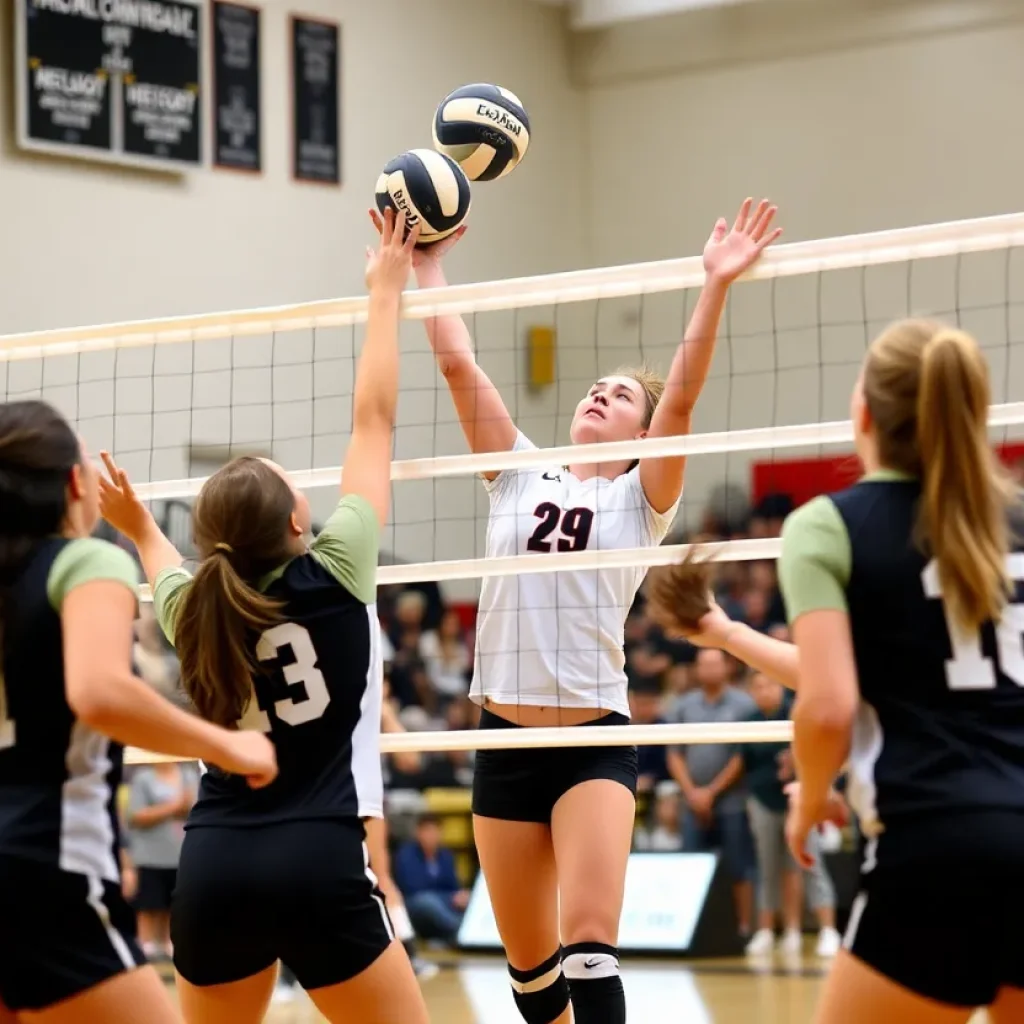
<point>854,117</point>
<point>83,243</point>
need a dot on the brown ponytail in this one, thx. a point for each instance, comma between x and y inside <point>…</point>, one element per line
<point>241,521</point>
<point>679,595</point>
<point>927,389</point>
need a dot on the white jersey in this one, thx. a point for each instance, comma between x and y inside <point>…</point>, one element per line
<point>556,639</point>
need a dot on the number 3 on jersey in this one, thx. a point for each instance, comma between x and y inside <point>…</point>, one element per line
<point>302,669</point>
<point>969,669</point>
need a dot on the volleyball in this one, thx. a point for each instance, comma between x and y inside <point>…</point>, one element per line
<point>430,188</point>
<point>484,128</point>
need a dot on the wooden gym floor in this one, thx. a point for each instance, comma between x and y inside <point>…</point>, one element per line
<point>774,991</point>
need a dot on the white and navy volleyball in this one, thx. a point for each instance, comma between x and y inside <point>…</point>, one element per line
<point>430,188</point>
<point>484,128</point>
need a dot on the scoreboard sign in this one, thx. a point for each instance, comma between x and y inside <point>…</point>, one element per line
<point>115,80</point>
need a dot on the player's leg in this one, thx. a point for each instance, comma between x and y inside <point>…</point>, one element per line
<point>740,859</point>
<point>513,796</point>
<point>337,935</point>
<point>70,955</point>
<point>922,947</point>
<point>518,863</point>
<point>235,1002</point>
<point>1008,1007</point>
<point>223,920</point>
<point>137,996</point>
<point>385,992</point>
<point>592,829</point>
<point>855,992</point>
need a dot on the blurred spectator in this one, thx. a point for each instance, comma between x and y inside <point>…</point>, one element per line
<point>446,657</point>
<point>155,659</point>
<point>664,836</point>
<point>160,798</point>
<point>768,768</point>
<point>425,872</point>
<point>710,777</point>
<point>645,703</point>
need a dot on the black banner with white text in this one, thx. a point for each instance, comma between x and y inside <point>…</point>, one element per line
<point>116,80</point>
<point>316,65</point>
<point>236,87</point>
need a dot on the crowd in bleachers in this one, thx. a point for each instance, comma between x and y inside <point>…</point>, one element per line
<point>720,796</point>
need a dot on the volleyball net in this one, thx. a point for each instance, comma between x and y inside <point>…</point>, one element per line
<point>173,399</point>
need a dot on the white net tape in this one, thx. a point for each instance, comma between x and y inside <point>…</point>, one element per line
<point>814,257</point>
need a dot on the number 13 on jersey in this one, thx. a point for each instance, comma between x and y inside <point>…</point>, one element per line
<point>969,669</point>
<point>301,670</point>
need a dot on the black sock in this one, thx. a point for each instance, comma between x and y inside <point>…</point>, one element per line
<point>592,970</point>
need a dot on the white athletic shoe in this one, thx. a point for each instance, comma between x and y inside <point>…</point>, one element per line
<point>791,943</point>
<point>762,942</point>
<point>829,943</point>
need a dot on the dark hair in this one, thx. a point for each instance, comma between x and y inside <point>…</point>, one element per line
<point>240,523</point>
<point>38,450</point>
<point>428,819</point>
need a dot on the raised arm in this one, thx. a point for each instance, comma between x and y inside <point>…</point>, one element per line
<point>481,410</point>
<point>367,470</point>
<point>727,255</point>
<point>121,507</point>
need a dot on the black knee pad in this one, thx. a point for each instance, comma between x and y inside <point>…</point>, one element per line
<point>541,994</point>
<point>592,973</point>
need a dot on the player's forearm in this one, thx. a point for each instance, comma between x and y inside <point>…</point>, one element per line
<point>156,552</point>
<point>692,361</point>
<point>449,337</point>
<point>775,658</point>
<point>821,745</point>
<point>129,712</point>
<point>376,386</point>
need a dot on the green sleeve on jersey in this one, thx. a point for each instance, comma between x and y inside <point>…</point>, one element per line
<point>348,545</point>
<point>168,593</point>
<point>85,561</point>
<point>815,564</point>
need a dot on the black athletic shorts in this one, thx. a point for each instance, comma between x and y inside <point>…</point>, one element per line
<point>300,891</point>
<point>953,933</point>
<point>525,785</point>
<point>156,886</point>
<point>60,934</point>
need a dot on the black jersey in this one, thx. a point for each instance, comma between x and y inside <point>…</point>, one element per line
<point>940,730</point>
<point>319,692</point>
<point>58,778</point>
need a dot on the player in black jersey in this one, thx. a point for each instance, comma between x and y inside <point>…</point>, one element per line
<point>68,700</point>
<point>283,638</point>
<point>905,597</point>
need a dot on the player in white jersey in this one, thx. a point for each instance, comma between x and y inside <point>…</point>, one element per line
<point>553,827</point>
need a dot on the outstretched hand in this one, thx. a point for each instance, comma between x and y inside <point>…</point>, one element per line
<point>432,253</point>
<point>119,504</point>
<point>388,267</point>
<point>730,253</point>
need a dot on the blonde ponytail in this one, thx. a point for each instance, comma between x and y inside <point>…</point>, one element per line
<point>965,495</point>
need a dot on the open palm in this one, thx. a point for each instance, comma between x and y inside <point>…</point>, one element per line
<point>729,253</point>
<point>119,504</point>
